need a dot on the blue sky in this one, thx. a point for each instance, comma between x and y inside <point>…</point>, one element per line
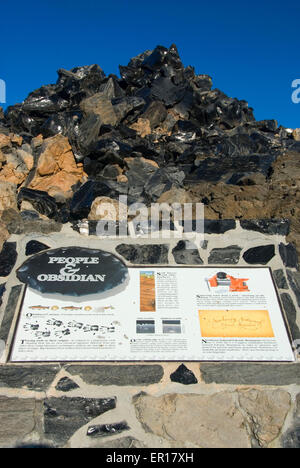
<point>249,48</point>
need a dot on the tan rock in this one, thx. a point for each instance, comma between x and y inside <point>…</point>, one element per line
<point>205,421</point>
<point>142,127</point>
<point>59,196</point>
<point>150,161</point>
<point>18,420</point>
<point>27,158</point>
<point>57,154</point>
<point>47,164</point>
<point>130,160</point>
<point>175,195</point>
<point>4,141</point>
<point>266,412</point>
<point>122,179</point>
<point>16,139</point>
<point>8,196</point>
<point>56,168</point>
<point>296,134</point>
<point>118,168</point>
<point>9,173</point>
<point>15,164</point>
<point>60,183</point>
<point>105,208</point>
<point>2,157</point>
<point>37,141</point>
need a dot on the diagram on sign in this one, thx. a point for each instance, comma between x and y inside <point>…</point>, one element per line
<point>54,327</point>
<point>222,281</point>
<point>235,324</point>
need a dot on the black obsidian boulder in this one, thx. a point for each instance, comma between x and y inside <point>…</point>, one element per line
<point>209,226</point>
<point>184,376</point>
<point>267,226</point>
<point>215,168</point>
<point>288,255</point>
<point>33,247</point>
<point>161,181</point>
<point>218,226</point>
<point>41,201</point>
<point>74,271</point>
<point>83,198</point>
<point>155,113</point>
<point>259,255</point>
<point>104,430</point>
<point>8,258</point>
<point>66,384</point>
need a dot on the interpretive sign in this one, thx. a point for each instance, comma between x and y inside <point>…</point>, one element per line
<point>147,314</point>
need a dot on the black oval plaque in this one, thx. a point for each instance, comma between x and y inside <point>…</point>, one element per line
<point>73,271</point>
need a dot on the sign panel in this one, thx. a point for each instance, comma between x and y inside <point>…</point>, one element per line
<point>74,271</point>
<point>161,313</point>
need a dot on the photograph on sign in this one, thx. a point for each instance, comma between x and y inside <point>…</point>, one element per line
<point>145,314</point>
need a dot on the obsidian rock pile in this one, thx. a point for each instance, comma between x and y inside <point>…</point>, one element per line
<point>158,110</point>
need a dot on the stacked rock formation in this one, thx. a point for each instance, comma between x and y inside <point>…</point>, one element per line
<point>160,132</point>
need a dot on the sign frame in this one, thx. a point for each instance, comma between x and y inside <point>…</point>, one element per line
<point>17,317</point>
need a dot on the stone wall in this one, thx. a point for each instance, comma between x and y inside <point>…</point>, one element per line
<point>155,404</point>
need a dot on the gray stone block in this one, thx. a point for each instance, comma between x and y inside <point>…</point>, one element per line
<point>18,420</point>
<point>294,280</point>
<point>118,375</point>
<point>227,256</point>
<point>10,311</point>
<point>250,373</point>
<point>64,416</point>
<point>288,255</point>
<point>186,253</point>
<point>144,254</point>
<point>280,279</point>
<point>37,378</point>
<point>291,315</point>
